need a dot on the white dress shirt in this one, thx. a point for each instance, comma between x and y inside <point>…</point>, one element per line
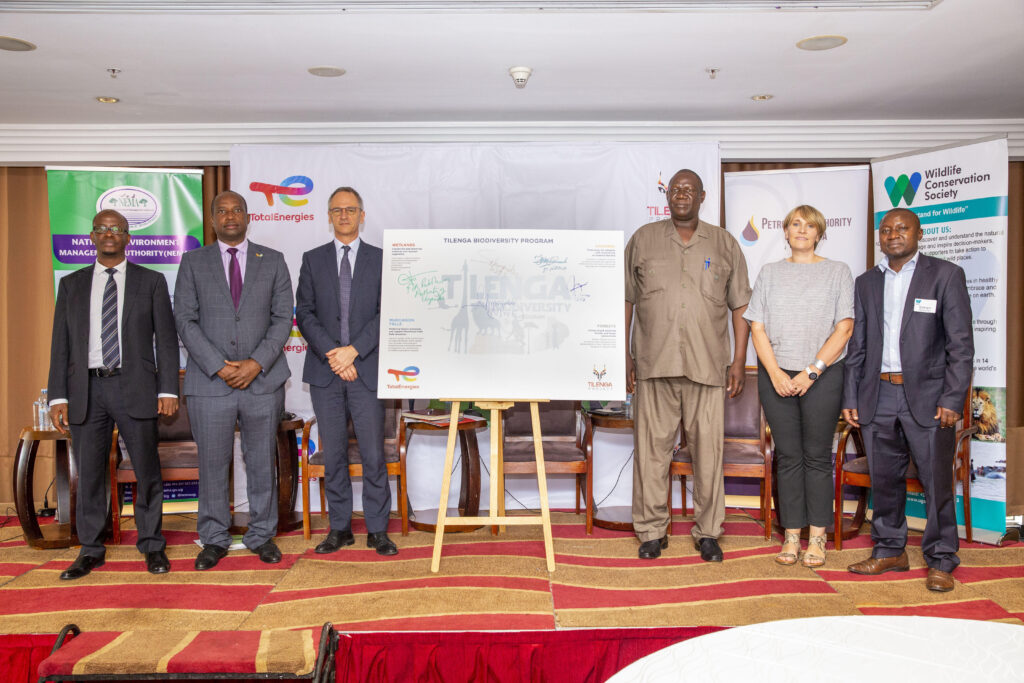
<point>339,252</point>
<point>242,256</point>
<point>895,298</point>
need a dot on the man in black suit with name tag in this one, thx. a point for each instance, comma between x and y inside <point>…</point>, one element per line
<point>908,370</point>
<point>107,320</point>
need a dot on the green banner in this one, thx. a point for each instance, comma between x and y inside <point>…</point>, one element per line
<point>163,208</point>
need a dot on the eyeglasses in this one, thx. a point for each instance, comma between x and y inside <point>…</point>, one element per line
<point>899,229</point>
<point>112,229</point>
<point>347,210</point>
<point>238,211</point>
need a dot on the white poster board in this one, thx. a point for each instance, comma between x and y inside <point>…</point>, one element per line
<point>502,314</point>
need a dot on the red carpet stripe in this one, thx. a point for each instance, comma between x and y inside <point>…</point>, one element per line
<point>974,574</point>
<point>206,653</point>
<point>598,561</point>
<point>13,569</point>
<point>218,597</point>
<point>981,610</point>
<point>502,582</point>
<point>579,597</point>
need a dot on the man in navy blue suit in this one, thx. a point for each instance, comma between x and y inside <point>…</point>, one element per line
<point>908,370</point>
<point>337,307</point>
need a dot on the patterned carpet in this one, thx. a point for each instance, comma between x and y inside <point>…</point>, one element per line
<point>487,583</point>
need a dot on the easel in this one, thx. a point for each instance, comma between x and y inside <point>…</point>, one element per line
<point>497,507</point>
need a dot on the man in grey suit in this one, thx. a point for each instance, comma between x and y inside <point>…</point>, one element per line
<point>107,320</point>
<point>337,307</point>
<point>233,308</point>
<point>908,371</point>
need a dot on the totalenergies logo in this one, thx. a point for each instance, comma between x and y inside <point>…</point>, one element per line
<point>904,188</point>
<point>296,185</point>
<point>750,233</point>
<point>408,374</point>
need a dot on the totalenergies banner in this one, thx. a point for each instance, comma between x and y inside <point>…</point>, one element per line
<point>163,208</point>
<point>756,202</point>
<point>960,194</point>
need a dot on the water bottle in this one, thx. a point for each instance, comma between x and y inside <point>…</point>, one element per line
<point>628,406</point>
<point>37,413</point>
<point>44,421</point>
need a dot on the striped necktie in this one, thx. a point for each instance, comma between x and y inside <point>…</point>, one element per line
<point>108,333</point>
<point>345,292</point>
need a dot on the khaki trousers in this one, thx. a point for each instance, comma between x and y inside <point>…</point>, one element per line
<point>660,404</point>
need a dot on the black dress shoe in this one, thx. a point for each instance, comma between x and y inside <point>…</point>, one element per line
<point>650,550</point>
<point>383,544</point>
<point>268,552</point>
<point>157,562</point>
<point>209,556</point>
<point>335,541</point>
<point>82,566</point>
<point>709,549</point>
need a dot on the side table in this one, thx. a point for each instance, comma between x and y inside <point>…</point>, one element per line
<point>61,534</point>
<point>617,518</point>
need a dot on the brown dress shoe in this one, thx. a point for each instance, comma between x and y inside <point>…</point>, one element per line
<point>939,581</point>
<point>880,565</point>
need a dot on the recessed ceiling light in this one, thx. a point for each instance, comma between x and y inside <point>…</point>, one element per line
<point>761,98</point>
<point>15,44</point>
<point>816,43</point>
<point>326,71</point>
<point>108,100</point>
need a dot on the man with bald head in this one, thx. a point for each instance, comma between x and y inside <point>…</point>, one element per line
<point>908,371</point>
<point>233,308</point>
<point>113,361</point>
<point>685,279</point>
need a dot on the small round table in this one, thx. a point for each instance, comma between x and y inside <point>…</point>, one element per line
<point>61,534</point>
<point>618,518</point>
<point>469,494</point>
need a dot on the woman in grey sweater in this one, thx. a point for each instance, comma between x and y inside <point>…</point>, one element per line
<point>801,316</point>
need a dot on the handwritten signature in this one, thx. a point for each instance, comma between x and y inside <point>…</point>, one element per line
<point>549,263</point>
<point>499,268</point>
<point>428,286</point>
<point>576,291</point>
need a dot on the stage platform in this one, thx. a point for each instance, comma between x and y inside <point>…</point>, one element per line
<point>487,583</point>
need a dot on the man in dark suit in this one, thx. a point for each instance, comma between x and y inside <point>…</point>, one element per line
<point>337,307</point>
<point>103,372</point>
<point>908,370</point>
<point>233,308</point>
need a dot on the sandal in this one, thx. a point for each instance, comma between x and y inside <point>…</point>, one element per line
<point>815,554</point>
<point>790,549</point>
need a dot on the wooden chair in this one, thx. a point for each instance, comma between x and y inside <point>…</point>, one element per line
<point>854,472</point>
<point>179,461</point>
<point>562,441</point>
<point>394,457</point>
<point>747,451</point>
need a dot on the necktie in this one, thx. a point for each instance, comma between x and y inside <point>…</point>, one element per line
<point>235,277</point>
<point>345,292</point>
<point>108,322</point>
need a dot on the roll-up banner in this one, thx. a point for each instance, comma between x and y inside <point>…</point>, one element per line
<point>960,193</point>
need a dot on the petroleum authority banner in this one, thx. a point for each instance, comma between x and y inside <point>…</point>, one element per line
<point>756,202</point>
<point>163,207</point>
<point>960,194</point>
<point>514,314</point>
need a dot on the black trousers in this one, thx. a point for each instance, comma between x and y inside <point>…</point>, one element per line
<point>891,439</point>
<point>90,445</point>
<point>803,428</point>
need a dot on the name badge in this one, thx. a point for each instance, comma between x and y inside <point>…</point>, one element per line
<point>924,305</point>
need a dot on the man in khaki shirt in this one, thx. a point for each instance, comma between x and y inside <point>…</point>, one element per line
<point>685,278</point>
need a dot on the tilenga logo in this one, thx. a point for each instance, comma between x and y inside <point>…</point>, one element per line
<point>661,184</point>
<point>296,185</point>
<point>599,374</point>
<point>904,188</point>
<point>409,374</point>
<point>750,233</point>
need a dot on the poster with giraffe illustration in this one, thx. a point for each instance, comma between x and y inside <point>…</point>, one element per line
<point>514,314</point>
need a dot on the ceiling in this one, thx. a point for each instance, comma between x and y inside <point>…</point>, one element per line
<point>247,63</point>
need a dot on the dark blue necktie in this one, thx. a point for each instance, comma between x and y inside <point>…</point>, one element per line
<point>108,323</point>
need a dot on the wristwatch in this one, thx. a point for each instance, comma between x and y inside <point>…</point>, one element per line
<point>810,370</point>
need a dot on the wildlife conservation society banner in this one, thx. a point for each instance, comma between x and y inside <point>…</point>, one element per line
<point>163,207</point>
<point>756,202</point>
<point>960,194</point>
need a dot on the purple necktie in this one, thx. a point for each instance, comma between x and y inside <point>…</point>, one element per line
<point>235,277</point>
<point>345,292</point>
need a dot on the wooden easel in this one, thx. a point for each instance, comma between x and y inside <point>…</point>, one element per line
<point>497,506</point>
